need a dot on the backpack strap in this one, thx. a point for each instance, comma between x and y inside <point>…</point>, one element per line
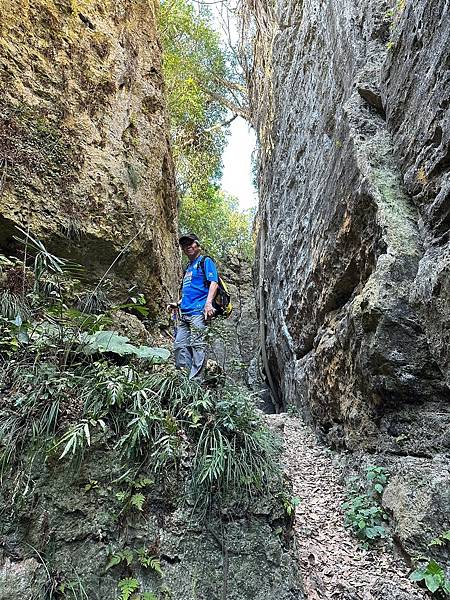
<point>202,266</point>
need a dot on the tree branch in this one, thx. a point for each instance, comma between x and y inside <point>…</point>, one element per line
<point>231,85</point>
<point>241,111</point>
<point>214,127</point>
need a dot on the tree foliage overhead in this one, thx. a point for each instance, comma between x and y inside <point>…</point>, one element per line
<point>204,94</point>
<point>223,229</point>
<point>194,63</point>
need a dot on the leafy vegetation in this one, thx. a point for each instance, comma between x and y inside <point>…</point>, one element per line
<point>158,418</point>
<point>393,16</point>
<point>127,587</point>
<point>51,357</point>
<point>129,590</point>
<point>234,455</point>
<point>433,576</point>
<point>199,79</point>
<point>289,504</point>
<point>142,555</point>
<point>441,540</point>
<point>59,401</point>
<point>363,511</point>
<point>223,230</point>
<point>132,497</point>
<point>109,341</point>
<point>429,572</point>
<point>203,85</point>
<point>70,588</point>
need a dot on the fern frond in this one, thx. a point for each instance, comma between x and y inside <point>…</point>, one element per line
<point>127,587</point>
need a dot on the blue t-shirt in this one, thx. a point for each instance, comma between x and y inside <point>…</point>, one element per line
<point>194,291</point>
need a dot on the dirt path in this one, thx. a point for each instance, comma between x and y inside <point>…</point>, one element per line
<point>333,564</point>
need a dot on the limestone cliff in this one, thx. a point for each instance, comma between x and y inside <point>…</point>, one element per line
<point>236,339</point>
<point>84,151</point>
<point>351,101</point>
<point>63,548</point>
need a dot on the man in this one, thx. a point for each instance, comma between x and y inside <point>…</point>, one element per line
<point>195,308</point>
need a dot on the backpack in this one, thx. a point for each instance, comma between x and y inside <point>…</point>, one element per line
<point>222,300</point>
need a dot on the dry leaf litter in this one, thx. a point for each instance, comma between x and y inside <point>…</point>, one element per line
<point>333,563</point>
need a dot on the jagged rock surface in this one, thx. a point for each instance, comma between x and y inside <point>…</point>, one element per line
<point>351,102</point>
<point>84,152</point>
<point>347,250</point>
<point>416,93</point>
<point>236,339</point>
<point>77,524</point>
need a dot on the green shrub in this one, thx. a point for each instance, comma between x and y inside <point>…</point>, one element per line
<point>63,393</point>
<point>235,454</point>
<point>430,573</point>
<point>215,217</point>
<point>129,556</point>
<point>203,84</point>
<point>363,511</point>
<point>195,68</point>
<point>157,417</point>
<point>433,576</point>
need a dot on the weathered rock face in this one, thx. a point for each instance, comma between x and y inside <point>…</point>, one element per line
<point>354,180</point>
<point>77,524</point>
<point>236,341</point>
<point>351,101</point>
<point>416,494</point>
<point>84,150</point>
<point>416,94</point>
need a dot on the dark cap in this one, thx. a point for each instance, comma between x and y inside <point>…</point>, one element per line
<point>188,238</point>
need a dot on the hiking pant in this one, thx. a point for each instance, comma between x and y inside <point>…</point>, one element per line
<point>190,345</point>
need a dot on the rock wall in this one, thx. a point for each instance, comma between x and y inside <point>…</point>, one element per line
<point>351,101</point>
<point>416,94</point>
<point>84,151</point>
<point>235,340</point>
<point>58,534</point>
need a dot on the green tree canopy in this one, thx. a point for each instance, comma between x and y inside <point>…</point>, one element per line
<point>223,230</point>
<point>193,63</point>
<point>204,94</point>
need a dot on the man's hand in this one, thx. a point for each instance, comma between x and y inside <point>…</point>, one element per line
<point>209,310</point>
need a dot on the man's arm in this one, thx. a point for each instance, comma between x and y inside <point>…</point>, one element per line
<point>209,310</point>
<point>211,275</point>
